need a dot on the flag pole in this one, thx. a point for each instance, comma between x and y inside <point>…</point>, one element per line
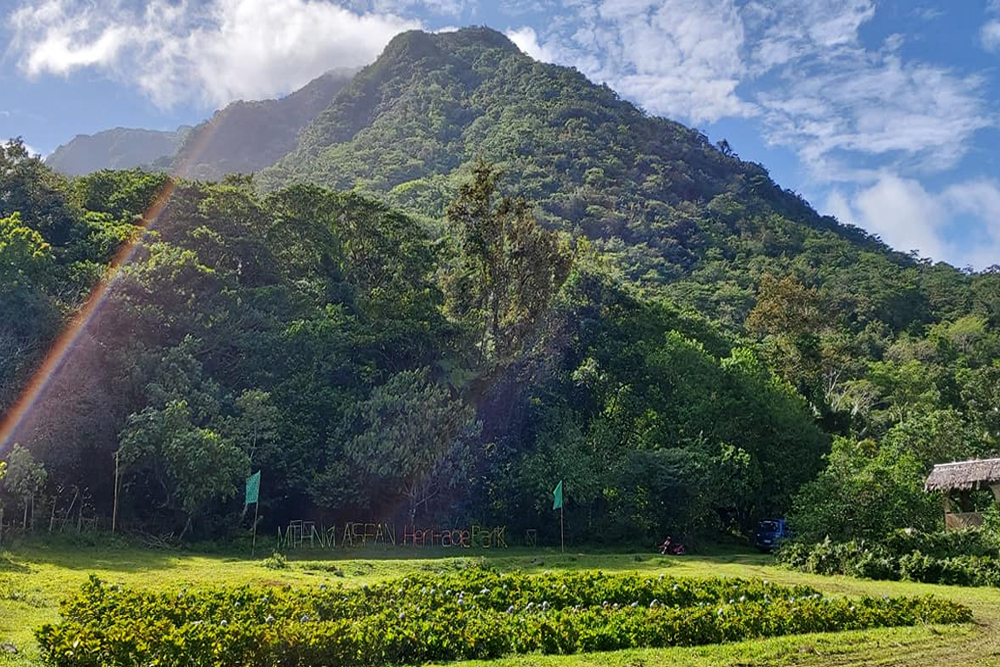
<point>562,531</point>
<point>114,512</point>
<point>256,509</point>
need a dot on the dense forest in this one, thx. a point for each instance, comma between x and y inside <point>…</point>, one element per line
<point>517,278</point>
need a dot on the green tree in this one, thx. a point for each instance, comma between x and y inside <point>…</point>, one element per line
<point>512,267</point>
<point>255,427</point>
<point>411,436</point>
<point>980,392</point>
<point>865,491</point>
<point>25,478</point>
<point>182,466</point>
<point>25,257</point>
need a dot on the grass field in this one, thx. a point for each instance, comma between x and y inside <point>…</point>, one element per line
<point>34,579</point>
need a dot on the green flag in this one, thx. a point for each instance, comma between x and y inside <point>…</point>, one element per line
<point>557,496</point>
<point>253,488</point>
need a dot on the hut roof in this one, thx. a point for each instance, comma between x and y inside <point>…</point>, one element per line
<point>963,475</point>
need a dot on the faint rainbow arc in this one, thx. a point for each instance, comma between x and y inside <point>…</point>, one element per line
<point>64,344</point>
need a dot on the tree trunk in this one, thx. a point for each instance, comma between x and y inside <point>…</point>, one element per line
<point>187,527</point>
<point>24,521</point>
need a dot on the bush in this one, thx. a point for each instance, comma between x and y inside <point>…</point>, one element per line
<point>276,561</point>
<point>472,615</point>
<point>941,544</point>
<point>958,558</point>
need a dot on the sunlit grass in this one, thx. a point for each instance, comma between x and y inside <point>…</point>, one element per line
<point>34,579</point>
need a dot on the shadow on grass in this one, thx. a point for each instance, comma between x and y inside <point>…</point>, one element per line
<point>9,565</point>
<point>112,558</point>
<point>361,561</point>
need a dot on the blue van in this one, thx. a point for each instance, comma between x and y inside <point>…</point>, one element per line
<point>770,534</point>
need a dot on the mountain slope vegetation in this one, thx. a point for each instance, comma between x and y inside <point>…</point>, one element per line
<point>477,275</point>
<point>245,137</point>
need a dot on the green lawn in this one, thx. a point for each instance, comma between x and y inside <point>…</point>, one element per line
<point>34,579</point>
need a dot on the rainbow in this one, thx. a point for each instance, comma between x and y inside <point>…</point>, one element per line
<point>62,349</point>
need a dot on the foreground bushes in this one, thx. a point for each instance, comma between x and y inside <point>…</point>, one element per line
<point>960,558</point>
<point>476,615</point>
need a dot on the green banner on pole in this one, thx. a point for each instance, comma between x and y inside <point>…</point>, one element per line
<point>253,488</point>
<point>557,496</point>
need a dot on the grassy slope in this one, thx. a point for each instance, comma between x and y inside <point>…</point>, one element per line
<point>32,580</point>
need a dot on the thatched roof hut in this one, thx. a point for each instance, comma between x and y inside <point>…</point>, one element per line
<point>964,475</point>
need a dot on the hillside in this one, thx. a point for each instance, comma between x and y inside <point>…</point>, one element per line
<point>245,137</point>
<point>120,148</point>
<point>627,308</point>
<point>678,214</point>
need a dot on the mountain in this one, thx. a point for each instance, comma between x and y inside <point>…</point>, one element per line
<point>245,137</point>
<point>629,308</point>
<point>120,148</point>
<point>679,215</point>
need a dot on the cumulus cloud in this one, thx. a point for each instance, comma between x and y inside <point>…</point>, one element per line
<point>800,67</point>
<point>214,51</point>
<point>675,57</point>
<point>526,39</point>
<point>909,217</point>
<point>989,35</point>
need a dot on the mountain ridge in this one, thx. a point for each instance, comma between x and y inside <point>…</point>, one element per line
<point>243,137</point>
<point>678,215</point>
<point>115,148</point>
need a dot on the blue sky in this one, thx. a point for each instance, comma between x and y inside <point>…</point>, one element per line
<point>883,113</point>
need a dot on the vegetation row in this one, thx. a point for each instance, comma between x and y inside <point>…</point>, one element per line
<point>962,558</point>
<point>475,615</point>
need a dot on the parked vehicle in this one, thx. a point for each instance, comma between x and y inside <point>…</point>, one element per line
<point>770,534</point>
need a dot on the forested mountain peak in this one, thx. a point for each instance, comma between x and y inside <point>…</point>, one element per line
<point>528,279</point>
<point>681,216</point>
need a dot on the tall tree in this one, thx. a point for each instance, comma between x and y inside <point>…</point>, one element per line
<point>512,267</point>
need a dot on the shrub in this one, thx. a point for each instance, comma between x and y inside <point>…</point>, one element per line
<point>472,615</point>
<point>276,561</point>
<point>959,558</point>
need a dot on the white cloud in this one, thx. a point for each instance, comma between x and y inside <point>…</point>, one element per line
<point>989,35</point>
<point>789,30</point>
<point>527,40</point>
<point>927,13</point>
<point>840,105</point>
<point>870,105</point>
<point>909,217</point>
<point>904,214</point>
<point>214,51</point>
<point>675,57</point>
<point>439,7</point>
